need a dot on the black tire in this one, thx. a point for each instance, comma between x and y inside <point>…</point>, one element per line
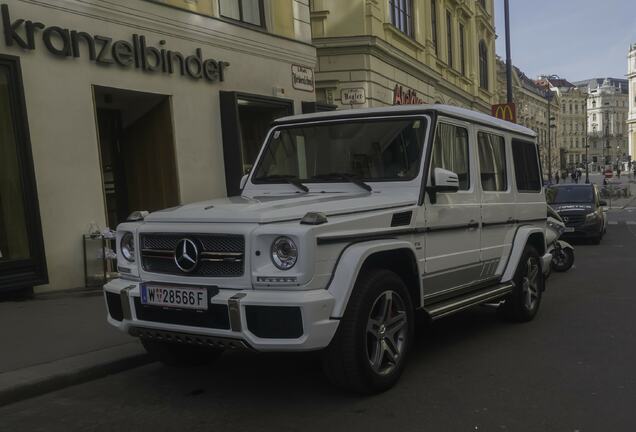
<point>360,356</point>
<point>564,262</point>
<point>180,355</point>
<point>521,305</point>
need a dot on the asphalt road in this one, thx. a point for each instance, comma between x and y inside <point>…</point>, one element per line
<point>572,369</point>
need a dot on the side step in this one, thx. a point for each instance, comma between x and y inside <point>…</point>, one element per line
<point>456,304</point>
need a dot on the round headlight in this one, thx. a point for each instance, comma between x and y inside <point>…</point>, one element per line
<point>284,253</point>
<point>127,246</point>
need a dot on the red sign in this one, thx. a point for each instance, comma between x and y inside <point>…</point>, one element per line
<point>409,97</point>
<point>506,112</point>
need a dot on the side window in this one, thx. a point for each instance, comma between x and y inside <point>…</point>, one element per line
<point>492,162</point>
<point>525,156</point>
<point>450,152</point>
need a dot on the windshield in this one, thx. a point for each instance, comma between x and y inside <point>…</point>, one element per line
<point>370,150</point>
<point>574,194</point>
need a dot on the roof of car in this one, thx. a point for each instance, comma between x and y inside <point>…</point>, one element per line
<point>446,110</point>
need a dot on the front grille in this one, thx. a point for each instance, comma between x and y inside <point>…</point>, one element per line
<point>573,220</point>
<point>221,255</point>
<point>216,316</point>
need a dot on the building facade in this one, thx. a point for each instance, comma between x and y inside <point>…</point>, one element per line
<point>385,52</point>
<point>571,121</point>
<point>631,116</point>
<point>535,105</point>
<point>111,107</point>
<point>607,108</point>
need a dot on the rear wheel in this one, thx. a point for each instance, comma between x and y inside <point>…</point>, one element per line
<point>172,354</point>
<point>562,259</point>
<point>522,304</point>
<point>368,352</point>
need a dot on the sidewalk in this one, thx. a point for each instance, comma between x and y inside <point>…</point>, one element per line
<point>54,341</point>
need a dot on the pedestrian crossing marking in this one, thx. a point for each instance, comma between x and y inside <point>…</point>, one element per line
<point>621,223</point>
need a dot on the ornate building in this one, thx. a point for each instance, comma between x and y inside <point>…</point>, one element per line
<point>533,111</point>
<point>607,107</point>
<point>384,52</point>
<point>631,117</point>
<point>571,135</point>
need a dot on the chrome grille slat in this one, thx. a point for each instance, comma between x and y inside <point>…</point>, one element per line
<point>221,255</point>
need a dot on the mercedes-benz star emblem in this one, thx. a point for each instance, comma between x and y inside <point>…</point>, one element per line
<point>186,255</point>
<point>566,219</point>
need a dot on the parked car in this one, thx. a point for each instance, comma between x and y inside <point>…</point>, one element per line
<point>581,208</point>
<point>349,223</point>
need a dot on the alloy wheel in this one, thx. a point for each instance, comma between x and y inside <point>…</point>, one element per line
<point>386,332</point>
<point>530,284</point>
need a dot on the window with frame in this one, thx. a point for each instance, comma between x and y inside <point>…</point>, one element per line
<point>434,23</point>
<point>402,15</point>
<point>482,3</point>
<point>483,65</point>
<point>202,7</point>
<point>525,156</point>
<point>449,37</point>
<point>450,152</point>
<point>245,11</point>
<point>492,162</point>
<point>462,49</point>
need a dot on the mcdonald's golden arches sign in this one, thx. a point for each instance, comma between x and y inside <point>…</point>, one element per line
<point>506,112</point>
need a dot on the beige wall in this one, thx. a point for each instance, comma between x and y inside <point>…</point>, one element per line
<point>61,111</point>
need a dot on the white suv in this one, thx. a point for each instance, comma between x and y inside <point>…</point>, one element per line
<point>348,224</point>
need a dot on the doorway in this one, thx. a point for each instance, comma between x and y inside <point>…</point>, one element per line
<point>136,144</point>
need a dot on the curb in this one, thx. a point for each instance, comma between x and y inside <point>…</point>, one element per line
<point>48,377</point>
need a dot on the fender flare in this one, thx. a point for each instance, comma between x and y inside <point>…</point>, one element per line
<point>348,265</point>
<point>519,243</point>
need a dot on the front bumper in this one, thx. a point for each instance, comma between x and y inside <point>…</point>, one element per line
<point>295,320</point>
<point>585,231</point>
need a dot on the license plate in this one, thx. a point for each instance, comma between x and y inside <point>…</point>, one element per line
<point>569,229</point>
<point>174,296</point>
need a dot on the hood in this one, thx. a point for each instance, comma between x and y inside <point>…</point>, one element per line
<point>277,208</point>
<point>575,207</point>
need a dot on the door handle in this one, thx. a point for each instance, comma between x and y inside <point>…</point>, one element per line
<point>473,224</point>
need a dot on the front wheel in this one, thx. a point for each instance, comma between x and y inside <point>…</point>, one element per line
<point>563,259</point>
<point>368,352</point>
<point>522,304</point>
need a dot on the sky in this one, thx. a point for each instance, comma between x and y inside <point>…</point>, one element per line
<point>575,39</point>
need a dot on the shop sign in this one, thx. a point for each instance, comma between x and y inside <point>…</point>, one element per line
<point>353,96</point>
<point>103,50</point>
<point>408,97</point>
<point>302,78</point>
<point>506,112</point>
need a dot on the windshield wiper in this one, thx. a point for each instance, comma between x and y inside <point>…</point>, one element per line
<point>351,178</point>
<point>285,178</point>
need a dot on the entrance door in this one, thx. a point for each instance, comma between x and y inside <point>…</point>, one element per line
<point>137,152</point>
<point>452,235</point>
<point>22,262</point>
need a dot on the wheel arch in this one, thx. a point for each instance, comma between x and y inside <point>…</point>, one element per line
<point>526,235</point>
<point>395,255</point>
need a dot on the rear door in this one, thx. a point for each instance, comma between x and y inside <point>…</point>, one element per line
<point>497,198</point>
<point>451,233</point>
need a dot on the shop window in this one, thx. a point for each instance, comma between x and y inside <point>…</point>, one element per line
<point>402,15</point>
<point>246,119</point>
<point>492,162</point>
<point>22,263</point>
<point>526,162</point>
<point>247,11</point>
<point>450,152</point>
<point>483,65</point>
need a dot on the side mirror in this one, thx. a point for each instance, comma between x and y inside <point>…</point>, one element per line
<point>602,203</point>
<point>244,181</point>
<point>443,181</point>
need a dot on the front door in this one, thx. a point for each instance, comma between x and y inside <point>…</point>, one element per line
<point>451,233</point>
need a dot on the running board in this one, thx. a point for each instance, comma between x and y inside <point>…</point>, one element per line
<point>456,304</point>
